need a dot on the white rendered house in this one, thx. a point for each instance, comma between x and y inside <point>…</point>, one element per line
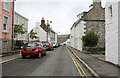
<point>77,31</point>
<point>112,13</point>
<point>42,35</point>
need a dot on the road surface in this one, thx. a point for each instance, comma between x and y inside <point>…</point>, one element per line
<point>59,62</point>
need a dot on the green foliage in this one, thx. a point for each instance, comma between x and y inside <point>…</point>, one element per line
<point>19,29</point>
<point>90,40</point>
<point>99,53</point>
<point>33,34</point>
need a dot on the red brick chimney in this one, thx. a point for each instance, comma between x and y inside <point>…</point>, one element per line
<point>42,23</point>
<point>96,3</point>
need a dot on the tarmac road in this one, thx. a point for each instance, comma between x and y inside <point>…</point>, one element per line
<point>59,62</point>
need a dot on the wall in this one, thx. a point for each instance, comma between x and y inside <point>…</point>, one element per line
<point>40,33</point>
<point>112,33</point>
<point>8,35</point>
<point>79,32</point>
<point>21,20</point>
<point>72,37</point>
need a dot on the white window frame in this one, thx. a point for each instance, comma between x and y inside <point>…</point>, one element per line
<point>5,31</point>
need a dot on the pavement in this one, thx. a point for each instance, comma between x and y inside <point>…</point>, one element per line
<point>59,62</point>
<point>102,68</point>
<point>9,58</point>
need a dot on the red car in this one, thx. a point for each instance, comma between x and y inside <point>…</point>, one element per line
<point>33,49</point>
<point>48,45</point>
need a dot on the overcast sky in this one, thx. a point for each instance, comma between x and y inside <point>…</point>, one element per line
<point>62,13</point>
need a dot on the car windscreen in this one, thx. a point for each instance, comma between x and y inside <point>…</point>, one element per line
<point>52,43</point>
<point>46,44</point>
<point>31,45</point>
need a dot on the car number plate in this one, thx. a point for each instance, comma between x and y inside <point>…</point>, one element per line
<point>28,49</point>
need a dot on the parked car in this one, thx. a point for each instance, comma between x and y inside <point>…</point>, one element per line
<point>55,44</point>
<point>33,49</point>
<point>48,46</point>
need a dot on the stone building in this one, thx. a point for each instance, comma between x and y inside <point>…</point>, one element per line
<point>112,16</point>
<point>93,20</point>
<point>6,25</point>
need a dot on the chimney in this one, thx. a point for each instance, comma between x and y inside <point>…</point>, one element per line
<point>42,23</point>
<point>48,24</point>
<point>96,3</point>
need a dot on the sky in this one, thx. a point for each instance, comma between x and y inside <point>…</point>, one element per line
<point>62,13</point>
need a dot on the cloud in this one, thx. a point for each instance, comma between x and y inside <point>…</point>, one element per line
<point>62,13</point>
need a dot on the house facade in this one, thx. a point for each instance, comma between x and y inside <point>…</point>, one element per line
<point>41,34</point>
<point>77,31</point>
<point>112,16</point>
<point>19,20</point>
<point>51,35</point>
<point>93,20</point>
<point>6,21</point>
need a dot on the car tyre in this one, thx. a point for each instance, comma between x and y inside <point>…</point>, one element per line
<point>23,56</point>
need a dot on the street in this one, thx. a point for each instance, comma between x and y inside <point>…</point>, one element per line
<point>59,62</point>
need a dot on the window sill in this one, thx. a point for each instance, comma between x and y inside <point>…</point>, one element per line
<point>5,32</point>
<point>5,10</point>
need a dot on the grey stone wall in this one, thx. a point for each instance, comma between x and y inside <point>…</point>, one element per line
<point>99,29</point>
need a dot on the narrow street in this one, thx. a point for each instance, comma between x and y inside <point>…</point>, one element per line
<point>59,62</point>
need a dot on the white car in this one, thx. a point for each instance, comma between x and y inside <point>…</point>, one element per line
<point>54,44</point>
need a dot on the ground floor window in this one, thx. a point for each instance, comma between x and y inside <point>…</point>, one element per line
<point>4,45</point>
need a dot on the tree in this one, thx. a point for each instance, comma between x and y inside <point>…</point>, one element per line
<point>19,29</point>
<point>90,40</point>
<point>33,34</point>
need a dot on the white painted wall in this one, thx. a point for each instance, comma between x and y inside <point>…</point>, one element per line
<point>19,19</point>
<point>79,32</point>
<point>56,37</point>
<point>72,37</point>
<point>42,35</point>
<point>111,32</point>
<point>76,34</point>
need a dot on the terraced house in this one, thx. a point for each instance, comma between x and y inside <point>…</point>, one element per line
<point>93,20</point>
<point>6,21</point>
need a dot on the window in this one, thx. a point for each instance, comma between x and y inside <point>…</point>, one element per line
<point>16,19</point>
<point>6,5</point>
<point>4,45</point>
<point>110,13</point>
<point>5,23</point>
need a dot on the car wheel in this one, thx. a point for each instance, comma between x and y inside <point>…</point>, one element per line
<point>23,56</point>
<point>40,55</point>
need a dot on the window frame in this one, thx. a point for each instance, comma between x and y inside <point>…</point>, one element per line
<point>4,31</point>
<point>8,6</point>
<point>2,43</point>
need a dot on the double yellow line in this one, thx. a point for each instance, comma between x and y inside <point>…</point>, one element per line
<point>79,68</point>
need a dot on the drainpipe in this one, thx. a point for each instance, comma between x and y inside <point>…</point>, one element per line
<point>13,25</point>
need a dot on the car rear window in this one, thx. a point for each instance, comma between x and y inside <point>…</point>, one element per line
<point>31,45</point>
<point>46,44</point>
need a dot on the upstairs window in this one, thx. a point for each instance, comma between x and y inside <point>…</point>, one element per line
<point>110,13</point>
<point>5,23</point>
<point>6,5</point>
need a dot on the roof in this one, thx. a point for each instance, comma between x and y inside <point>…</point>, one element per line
<point>20,15</point>
<point>89,16</point>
